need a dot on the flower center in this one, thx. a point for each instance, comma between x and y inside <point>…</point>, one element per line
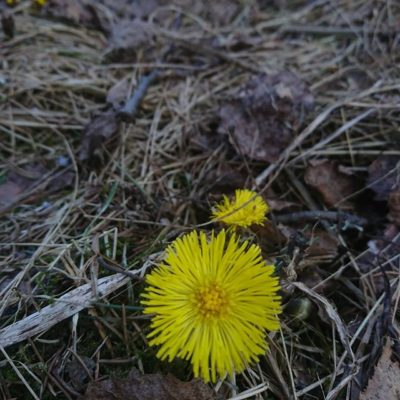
<point>211,301</point>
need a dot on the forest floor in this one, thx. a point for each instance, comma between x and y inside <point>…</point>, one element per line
<point>297,100</point>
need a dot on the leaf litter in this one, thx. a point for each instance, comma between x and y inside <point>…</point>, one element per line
<point>148,387</point>
<point>334,182</point>
<point>263,117</point>
<point>384,383</point>
<point>244,83</point>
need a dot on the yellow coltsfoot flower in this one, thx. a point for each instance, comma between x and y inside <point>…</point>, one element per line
<point>245,209</point>
<point>213,300</point>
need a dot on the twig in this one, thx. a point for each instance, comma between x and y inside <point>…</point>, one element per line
<point>64,307</point>
<point>128,112</point>
<point>116,268</point>
<point>337,31</point>
<point>335,216</point>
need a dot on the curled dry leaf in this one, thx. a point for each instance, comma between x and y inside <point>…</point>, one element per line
<point>148,387</point>
<point>332,181</point>
<point>261,121</point>
<point>100,129</point>
<point>384,383</point>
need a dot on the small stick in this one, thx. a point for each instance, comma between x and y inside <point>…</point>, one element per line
<point>128,112</point>
<point>335,216</point>
<point>337,31</point>
<point>116,268</point>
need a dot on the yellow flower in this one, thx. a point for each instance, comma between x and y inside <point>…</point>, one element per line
<point>213,301</point>
<point>40,3</point>
<point>245,209</point>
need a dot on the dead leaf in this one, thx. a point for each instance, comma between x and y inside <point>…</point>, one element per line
<point>7,24</point>
<point>357,79</point>
<point>269,235</point>
<point>384,176</point>
<point>126,38</point>
<point>32,182</point>
<point>220,12</point>
<point>76,11</point>
<point>125,9</point>
<point>394,207</point>
<point>224,179</point>
<point>323,246</point>
<point>148,387</point>
<point>9,191</point>
<point>100,129</point>
<point>279,205</point>
<point>385,383</point>
<point>261,121</point>
<point>332,181</point>
<point>117,94</point>
<point>78,371</point>
<point>380,252</point>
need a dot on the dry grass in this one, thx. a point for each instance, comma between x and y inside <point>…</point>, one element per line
<point>155,182</point>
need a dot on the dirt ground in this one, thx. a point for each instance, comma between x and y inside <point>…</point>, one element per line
<point>123,122</point>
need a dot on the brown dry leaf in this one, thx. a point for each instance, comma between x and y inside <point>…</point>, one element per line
<point>9,192</point>
<point>7,23</point>
<point>77,11</point>
<point>100,129</point>
<point>394,207</point>
<point>224,179</point>
<point>332,181</point>
<point>385,383</point>
<point>269,235</point>
<point>380,252</point>
<point>322,249</point>
<point>263,118</point>
<point>102,14</point>
<point>279,205</point>
<point>78,371</point>
<point>32,183</point>
<point>117,94</point>
<point>217,13</point>
<point>148,387</point>
<point>126,38</point>
<point>220,12</point>
<point>126,22</point>
<point>139,9</point>
<point>384,176</point>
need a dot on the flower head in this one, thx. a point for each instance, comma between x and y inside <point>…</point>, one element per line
<point>245,209</point>
<point>213,301</point>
